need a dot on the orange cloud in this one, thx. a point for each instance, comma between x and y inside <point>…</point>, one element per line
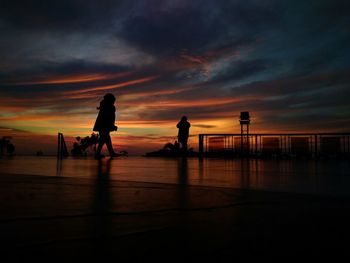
<point>114,86</point>
<point>80,78</point>
<point>187,103</point>
<point>144,123</point>
<point>28,118</point>
<point>12,109</point>
<point>162,91</point>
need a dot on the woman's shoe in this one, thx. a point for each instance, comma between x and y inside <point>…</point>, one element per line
<point>115,154</point>
<point>99,156</point>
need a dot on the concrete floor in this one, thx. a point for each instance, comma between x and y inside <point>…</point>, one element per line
<point>50,218</point>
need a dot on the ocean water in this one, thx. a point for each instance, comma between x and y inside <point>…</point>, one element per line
<point>325,177</point>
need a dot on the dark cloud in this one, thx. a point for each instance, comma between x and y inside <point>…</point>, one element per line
<point>291,98</point>
<point>292,84</point>
<point>237,70</point>
<point>196,26</point>
<point>54,69</point>
<point>59,14</point>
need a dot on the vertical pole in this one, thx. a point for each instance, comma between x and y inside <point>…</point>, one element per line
<point>241,139</point>
<point>58,145</point>
<point>285,145</point>
<point>316,146</point>
<point>311,146</point>
<point>206,144</point>
<point>61,147</point>
<point>200,145</point>
<point>260,144</point>
<point>64,146</point>
<point>232,144</point>
<point>280,144</point>
<point>248,142</point>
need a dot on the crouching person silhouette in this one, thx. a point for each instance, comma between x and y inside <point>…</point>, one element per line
<point>184,129</point>
<point>105,124</point>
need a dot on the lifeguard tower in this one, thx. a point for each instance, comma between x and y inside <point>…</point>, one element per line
<point>244,120</point>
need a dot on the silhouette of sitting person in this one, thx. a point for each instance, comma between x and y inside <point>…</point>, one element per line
<point>105,124</point>
<point>176,146</point>
<point>184,129</point>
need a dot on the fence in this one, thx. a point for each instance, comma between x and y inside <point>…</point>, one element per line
<point>274,144</point>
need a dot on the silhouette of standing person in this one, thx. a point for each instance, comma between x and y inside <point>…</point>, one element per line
<point>105,124</point>
<point>184,130</point>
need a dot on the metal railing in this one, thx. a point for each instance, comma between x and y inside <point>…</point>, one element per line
<point>61,146</point>
<point>275,144</point>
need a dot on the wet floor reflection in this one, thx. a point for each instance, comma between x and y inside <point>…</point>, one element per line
<point>184,204</point>
<point>245,173</point>
<point>309,176</point>
<point>182,189</point>
<point>102,206</point>
<point>59,166</point>
<point>182,171</point>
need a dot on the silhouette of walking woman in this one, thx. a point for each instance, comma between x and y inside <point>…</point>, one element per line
<point>184,129</point>
<point>105,124</point>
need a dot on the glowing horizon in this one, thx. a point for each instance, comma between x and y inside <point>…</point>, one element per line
<point>229,57</point>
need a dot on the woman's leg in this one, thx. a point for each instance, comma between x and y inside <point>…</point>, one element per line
<point>99,147</point>
<point>109,145</point>
<point>101,142</point>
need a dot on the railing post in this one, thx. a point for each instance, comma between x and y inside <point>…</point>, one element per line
<point>316,146</point>
<point>58,145</point>
<point>247,151</point>
<point>241,140</point>
<point>200,145</point>
<point>61,146</point>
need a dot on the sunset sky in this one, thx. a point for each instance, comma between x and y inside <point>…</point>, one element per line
<point>287,62</point>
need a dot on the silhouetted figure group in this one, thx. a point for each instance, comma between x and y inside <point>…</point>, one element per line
<point>105,123</point>
<point>179,148</point>
<point>82,144</point>
<point>6,145</point>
